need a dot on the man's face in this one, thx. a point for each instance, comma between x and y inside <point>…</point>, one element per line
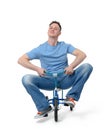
<point>54,30</point>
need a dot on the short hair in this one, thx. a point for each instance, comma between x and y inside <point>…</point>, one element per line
<point>56,23</point>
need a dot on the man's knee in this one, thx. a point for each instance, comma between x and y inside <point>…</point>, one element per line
<point>87,67</point>
<point>26,79</point>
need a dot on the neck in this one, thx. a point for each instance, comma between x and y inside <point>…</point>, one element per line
<point>53,41</point>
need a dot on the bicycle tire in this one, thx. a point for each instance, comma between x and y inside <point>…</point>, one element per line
<point>71,108</point>
<point>56,110</point>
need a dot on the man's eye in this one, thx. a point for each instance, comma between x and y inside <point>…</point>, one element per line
<point>53,28</point>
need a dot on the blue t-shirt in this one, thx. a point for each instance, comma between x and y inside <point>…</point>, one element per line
<point>52,58</point>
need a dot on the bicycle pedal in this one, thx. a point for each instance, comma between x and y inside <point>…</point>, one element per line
<point>45,115</point>
<point>65,104</point>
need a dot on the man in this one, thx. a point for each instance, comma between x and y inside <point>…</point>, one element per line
<point>53,57</point>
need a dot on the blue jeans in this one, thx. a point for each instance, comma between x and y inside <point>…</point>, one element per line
<point>76,81</point>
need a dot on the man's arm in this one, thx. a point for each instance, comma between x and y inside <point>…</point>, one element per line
<point>25,62</point>
<point>80,56</point>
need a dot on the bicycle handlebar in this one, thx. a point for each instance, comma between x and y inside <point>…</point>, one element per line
<point>55,74</point>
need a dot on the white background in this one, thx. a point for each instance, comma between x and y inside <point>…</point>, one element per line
<point>23,25</point>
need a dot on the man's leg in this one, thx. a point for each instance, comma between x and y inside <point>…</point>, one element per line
<point>33,84</point>
<point>77,80</point>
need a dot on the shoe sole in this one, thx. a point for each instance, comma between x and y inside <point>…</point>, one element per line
<point>43,115</point>
<point>69,104</point>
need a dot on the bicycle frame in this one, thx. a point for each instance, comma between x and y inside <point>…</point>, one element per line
<point>55,91</point>
<point>56,95</point>
<point>55,101</point>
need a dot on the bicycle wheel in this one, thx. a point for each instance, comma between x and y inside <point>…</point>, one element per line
<point>71,108</point>
<point>56,110</point>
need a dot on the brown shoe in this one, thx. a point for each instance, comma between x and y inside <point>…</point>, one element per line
<point>43,113</point>
<point>69,102</point>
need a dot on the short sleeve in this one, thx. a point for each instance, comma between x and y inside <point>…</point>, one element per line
<point>34,53</point>
<point>70,48</point>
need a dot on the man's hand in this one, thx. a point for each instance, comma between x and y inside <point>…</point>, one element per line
<point>69,70</point>
<point>80,56</point>
<point>41,71</point>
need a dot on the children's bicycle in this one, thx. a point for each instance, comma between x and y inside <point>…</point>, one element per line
<point>56,100</point>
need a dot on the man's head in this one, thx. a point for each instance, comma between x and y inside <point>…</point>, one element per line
<point>54,29</point>
<point>56,22</point>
